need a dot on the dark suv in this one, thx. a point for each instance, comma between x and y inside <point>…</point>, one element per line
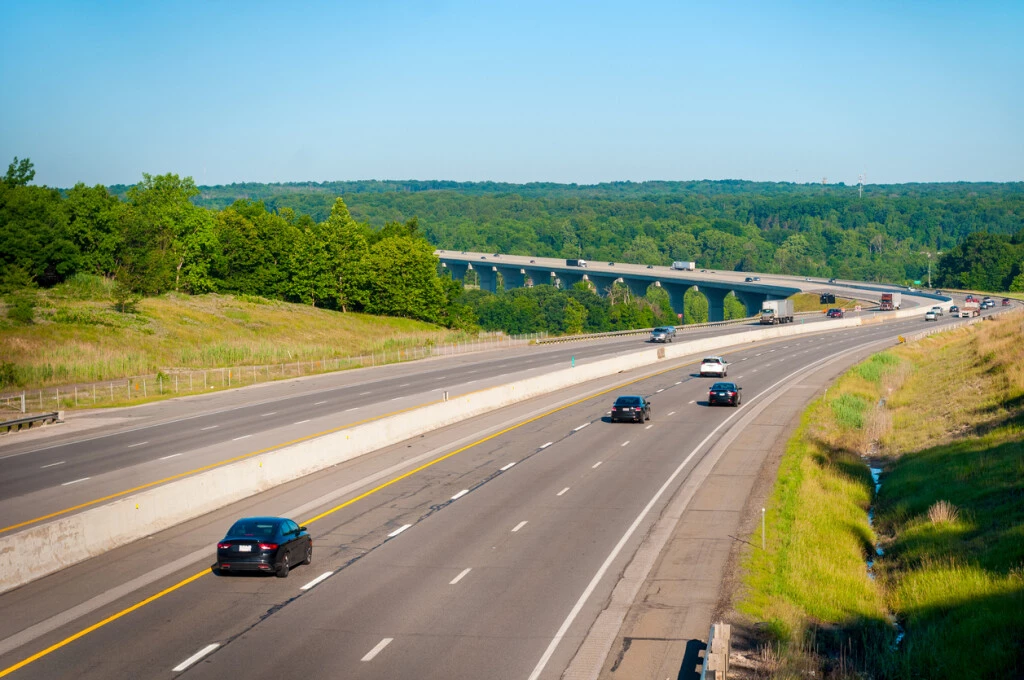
<point>632,409</point>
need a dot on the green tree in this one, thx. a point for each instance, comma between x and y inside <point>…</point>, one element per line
<point>19,173</point>
<point>401,280</point>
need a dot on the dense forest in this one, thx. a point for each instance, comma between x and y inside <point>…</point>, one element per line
<point>372,251</point>
<point>890,233</point>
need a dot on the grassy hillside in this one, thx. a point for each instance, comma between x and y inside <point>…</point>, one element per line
<point>78,336</point>
<point>944,419</point>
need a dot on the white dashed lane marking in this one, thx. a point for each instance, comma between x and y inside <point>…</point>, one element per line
<point>671,413</point>
<point>459,577</point>
<point>399,530</point>
<point>519,526</point>
<point>378,649</point>
<point>244,436</point>
<point>625,442</point>
<point>76,481</point>
<point>318,579</point>
<point>595,465</point>
<point>301,422</point>
<point>577,429</point>
<point>195,657</point>
<point>544,446</point>
<point>507,467</point>
<point>43,467</point>
<point>173,455</point>
<point>562,491</point>
<point>209,427</point>
<point>132,446</point>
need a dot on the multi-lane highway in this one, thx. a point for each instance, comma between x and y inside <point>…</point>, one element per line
<point>160,441</point>
<point>485,549</point>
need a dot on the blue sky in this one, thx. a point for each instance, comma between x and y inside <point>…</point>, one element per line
<point>101,92</point>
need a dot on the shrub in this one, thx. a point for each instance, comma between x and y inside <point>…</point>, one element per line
<point>943,512</point>
<point>9,375</point>
<point>22,309</point>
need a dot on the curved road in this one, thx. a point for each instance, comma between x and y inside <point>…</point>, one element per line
<point>485,549</point>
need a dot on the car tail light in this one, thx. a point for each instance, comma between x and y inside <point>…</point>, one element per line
<point>613,408</point>
<point>223,546</point>
<point>268,546</point>
<point>732,394</point>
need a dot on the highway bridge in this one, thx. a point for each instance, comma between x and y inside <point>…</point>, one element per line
<point>529,542</point>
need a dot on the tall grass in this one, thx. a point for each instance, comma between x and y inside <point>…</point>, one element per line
<point>78,337</point>
<point>950,514</point>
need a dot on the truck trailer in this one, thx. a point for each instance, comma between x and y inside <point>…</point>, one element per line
<point>890,301</point>
<point>684,266</point>
<point>575,263</point>
<point>776,311</point>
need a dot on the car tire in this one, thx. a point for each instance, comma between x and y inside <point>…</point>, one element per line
<point>309,554</point>
<point>283,568</point>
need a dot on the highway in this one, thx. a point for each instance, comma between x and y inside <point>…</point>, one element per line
<point>486,549</point>
<point>39,477</point>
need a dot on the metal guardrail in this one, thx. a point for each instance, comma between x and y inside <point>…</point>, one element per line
<point>716,656</point>
<point>16,424</point>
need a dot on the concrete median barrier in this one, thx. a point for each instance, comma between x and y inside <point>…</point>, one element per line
<point>48,547</point>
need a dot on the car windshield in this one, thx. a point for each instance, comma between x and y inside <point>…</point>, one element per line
<point>723,387</point>
<point>627,401</point>
<point>253,529</point>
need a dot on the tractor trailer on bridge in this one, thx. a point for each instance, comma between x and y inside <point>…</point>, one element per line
<point>575,263</point>
<point>776,311</point>
<point>684,266</point>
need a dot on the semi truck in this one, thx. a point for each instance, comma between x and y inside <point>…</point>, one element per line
<point>776,311</point>
<point>890,301</point>
<point>575,263</point>
<point>684,266</point>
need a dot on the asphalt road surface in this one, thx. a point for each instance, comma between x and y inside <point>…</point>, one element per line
<point>487,549</point>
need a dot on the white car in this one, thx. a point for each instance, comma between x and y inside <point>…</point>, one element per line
<point>714,367</point>
<point>930,316</point>
<point>937,310</point>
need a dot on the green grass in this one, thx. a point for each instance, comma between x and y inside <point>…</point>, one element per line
<point>810,302</point>
<point>951,430</point>
<point>78,337</point>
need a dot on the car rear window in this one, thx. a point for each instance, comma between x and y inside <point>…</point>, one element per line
<point>253,529</point>
<point>722,387</point>
<point>712,360</point>
<point>627,401</point>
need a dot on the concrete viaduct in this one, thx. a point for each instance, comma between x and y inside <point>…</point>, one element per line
<point>516,270</point>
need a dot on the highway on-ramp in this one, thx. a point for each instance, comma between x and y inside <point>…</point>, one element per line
<point>486,549</point>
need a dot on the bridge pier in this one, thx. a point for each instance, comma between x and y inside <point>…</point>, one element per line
<point>676,295</point>
<point>602,284</point>
<point>458,271</point>
<point>716,302</point>
<point>488,278</point>
<point>753,302</point>
<point>512,277</point>
<point>637,287</point>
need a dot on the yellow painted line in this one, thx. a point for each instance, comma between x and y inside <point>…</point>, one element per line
<point>110,619</point>
<point>100,624</point>
<point>211,466</point>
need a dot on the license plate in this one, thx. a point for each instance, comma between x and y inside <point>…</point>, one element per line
<point>245,548</point>
<point>722,394</point>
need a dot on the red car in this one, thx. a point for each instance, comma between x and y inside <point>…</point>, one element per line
<point>835,313</point>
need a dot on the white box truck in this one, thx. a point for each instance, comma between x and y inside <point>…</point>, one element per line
<point>684,266</point>
<point>776,311</point>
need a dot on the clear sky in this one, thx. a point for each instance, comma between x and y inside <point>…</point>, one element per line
<point>100,92</point>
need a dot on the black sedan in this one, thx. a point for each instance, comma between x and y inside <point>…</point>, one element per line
<point>724,393</point>
<point>267,544</point>
<point>632,409</point>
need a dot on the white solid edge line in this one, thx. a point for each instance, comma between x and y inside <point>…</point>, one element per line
<point>195,657</point>
<point>577,429</point>
<point>595,465</point>
<point>318,579</point>
<point>460,494</point>
<point>377,650</point>
<point>562,491</point>
<point>519,526</point>
<point>574,612</point>
<point>132,446</point>
<point>459,577</point>
<point>173,455</point>
<point>244,436</point>
<point>75,481</point>
<point>399,530</point>
<point>544,446</point>
<point>507,467</point>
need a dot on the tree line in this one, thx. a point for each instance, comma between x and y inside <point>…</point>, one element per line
<point>890,234</point>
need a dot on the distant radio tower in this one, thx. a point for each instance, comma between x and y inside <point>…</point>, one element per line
<point>824,180</point>
<point>860,190</point>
